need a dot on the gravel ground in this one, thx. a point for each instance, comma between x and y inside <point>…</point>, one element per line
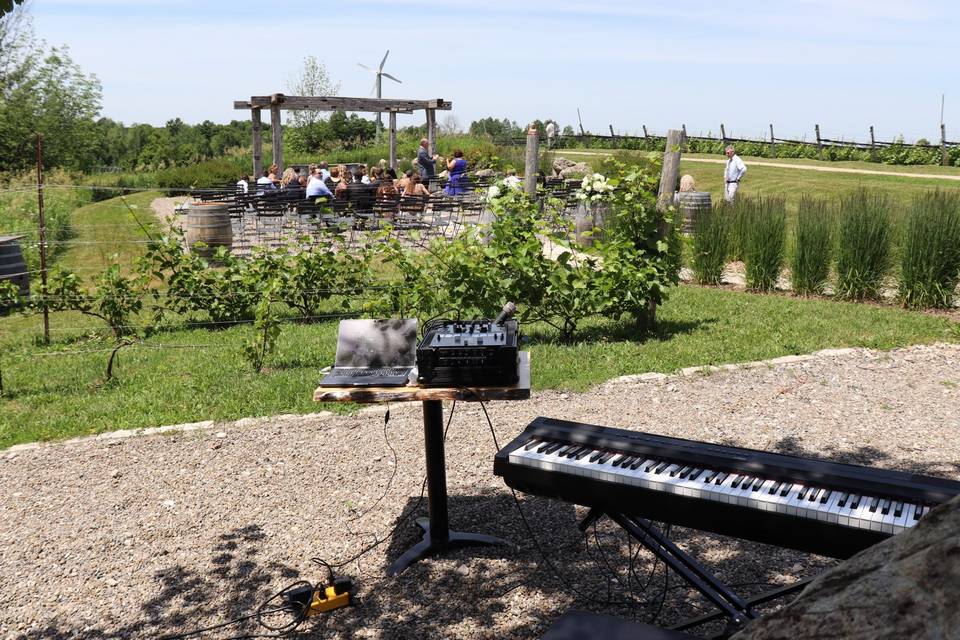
<point>150,535</point>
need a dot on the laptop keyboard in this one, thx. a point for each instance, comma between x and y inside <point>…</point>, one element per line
<point>375,373</point>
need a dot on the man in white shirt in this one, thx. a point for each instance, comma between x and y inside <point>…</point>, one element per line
<point>316,186</point>
<point>732,174</point>
<point>243,184</point>
<point>265,183</point>
<point>551,131</point>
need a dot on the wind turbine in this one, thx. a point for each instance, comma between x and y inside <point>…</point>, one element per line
<point>380,73</point>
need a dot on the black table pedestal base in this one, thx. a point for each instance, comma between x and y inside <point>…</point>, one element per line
<point>429,545</point>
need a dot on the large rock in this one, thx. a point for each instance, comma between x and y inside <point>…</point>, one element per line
<point>577,170</point>
<point>560,164</point>
<point>905,587</point>
<point>485,173</point>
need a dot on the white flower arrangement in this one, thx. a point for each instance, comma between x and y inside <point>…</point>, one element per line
<point>594,188</point>
<point>502,187</point>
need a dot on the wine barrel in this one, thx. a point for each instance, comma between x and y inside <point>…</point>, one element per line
<point>209,222</point>
<point>691,203</point>
<point>12,266</point>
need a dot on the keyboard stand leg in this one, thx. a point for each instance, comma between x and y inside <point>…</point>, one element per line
<point>437,535</point>
<point>693,573</point>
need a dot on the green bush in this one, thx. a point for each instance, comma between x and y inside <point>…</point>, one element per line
<point>863,245</point>
<point>813,241</point>
<point>711,244</point>
<point>765,223</point>
<point>930,267</point>
<point>203,175</point>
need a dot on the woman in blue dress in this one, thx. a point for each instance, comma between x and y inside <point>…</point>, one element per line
<point>457,168</point>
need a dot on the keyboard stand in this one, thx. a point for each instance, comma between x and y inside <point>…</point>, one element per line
<point>739,612</point>
<point>437,535</point>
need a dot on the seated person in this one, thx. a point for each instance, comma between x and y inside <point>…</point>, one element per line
<point>386,190</point>
<point>404,182</point>
<point>360,195</point>
<point>265,182</point>
<point>316,186</point>
<point>415,188</point>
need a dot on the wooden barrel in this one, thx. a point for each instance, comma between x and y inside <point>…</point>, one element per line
<point>209,222</point>
<point>12,266</point>
<point>691,203</point>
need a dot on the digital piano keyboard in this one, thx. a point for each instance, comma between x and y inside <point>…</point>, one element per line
<point>823,507</point>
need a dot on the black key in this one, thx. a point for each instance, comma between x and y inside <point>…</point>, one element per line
<point>874,504</point>
<point>684,472</point>
<point>554,447</point>
<point>710,476</point>
<point>572,451</point>
<point>695,473</point>
<point>582,453</point>
<point>620,458</point>
<point>885,507</point>
<point>596,456</point>
<point>544,446</point>
<point>758,483</point>
<point>603,459</point>
<point>721,478</point>
<point>530,445</point>
<point>814,494</point>
<point>855,501</point>
<point>776,487</point>
<point>736,481</point>
<point>638,463</point>
<point>897,509</point>
<point>920,511</point>
<point>803,492</point>
<point>843,500</point>
<point>675,470</point>
<point>562,451</point>
<point>629,461</point>
<point>825,497</point>
<point>651,466</point>
<point>785,490</point>
<point>663,465</point>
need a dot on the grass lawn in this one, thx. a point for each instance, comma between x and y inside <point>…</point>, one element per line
<point>185,375</point>
<point>796,182</point>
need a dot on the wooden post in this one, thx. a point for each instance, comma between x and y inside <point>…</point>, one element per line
<point>645,131</point>
<point>43,241</point>
<point>531,162</point>
<point>773,143</point>
<point>671,169</point>
<point>872,144</point>
<point>393,140</point>
<point>257,143</point>
<point>612,134</point>
<point>944,156</point>
<point>723,134</point>
<point>432,131</point>
<point>276,135</point>
<point>580,122</point>
<point>816,128</point>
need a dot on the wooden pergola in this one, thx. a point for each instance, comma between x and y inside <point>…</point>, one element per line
<point>278,101</point>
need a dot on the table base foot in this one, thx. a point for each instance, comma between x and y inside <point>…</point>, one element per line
<point>428,545</point>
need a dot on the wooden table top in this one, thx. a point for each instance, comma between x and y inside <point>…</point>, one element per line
<point>519,391</point>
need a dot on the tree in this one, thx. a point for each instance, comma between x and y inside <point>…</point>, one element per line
<point>314,80</point>
<point>450,126</point>
<point>496,129</point>
<point>9,6</point>
<point>568,131</point>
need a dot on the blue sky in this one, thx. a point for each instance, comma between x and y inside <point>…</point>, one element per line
<point>845,64</point>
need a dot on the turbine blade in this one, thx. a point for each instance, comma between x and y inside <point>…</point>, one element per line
<point>382,62</point>
<point>373,92</point>
<point>360,64</point>
<point>387,75</point>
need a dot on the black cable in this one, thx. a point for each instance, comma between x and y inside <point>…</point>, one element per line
<point>386,420</point>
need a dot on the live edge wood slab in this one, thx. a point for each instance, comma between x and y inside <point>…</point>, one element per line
<point>369,395</point>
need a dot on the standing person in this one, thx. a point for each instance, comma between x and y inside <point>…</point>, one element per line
<point>428,163</point>
<point>458,173</point>
<point>551,130</point>
<point>732,174</point>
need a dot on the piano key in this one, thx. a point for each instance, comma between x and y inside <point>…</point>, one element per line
<point>640,462</point>
<point>532,443</point>
<point>606,456</point>
<point>721,478</point>
<point>620,457</point>
<point>885,507</point>
<point>897,509</point>
<point>596,455</point>
<point>855,500</point>
<point>553,447</point>
<point>814,494</point>
<point>802,493</point>
<point>874,503</point>
<point>583,453</point>
<point>710,475</point>
<point>843,499</point>
<point>775,487</point>
<point>736,481</point>
<point>684,472</point>
<point>696,473</point>
<point>826,497</point>
<point>543,447</point>
<point>661,467</point>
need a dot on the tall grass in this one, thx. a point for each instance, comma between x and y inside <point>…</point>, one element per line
<point>813,236</point>
<point>930,259</point>
<point>764,232</point>
<point>711,243</point>
<point>738,213</point>
<point>863,244</point>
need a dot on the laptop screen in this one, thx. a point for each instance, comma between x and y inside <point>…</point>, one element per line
<point>377,343</point>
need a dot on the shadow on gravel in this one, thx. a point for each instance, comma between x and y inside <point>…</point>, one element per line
<point>487,591</point>
<point>866,456</point>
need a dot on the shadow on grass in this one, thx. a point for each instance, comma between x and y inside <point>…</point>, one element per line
<point>488,591</point>
<point>663,331</point>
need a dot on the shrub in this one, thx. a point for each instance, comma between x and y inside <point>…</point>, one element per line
<point>931,251</point>
<point>765,221</point>
<point>863,245</point>
<point>209,174</point>
<point>813,237</point>
<point>711,243</point>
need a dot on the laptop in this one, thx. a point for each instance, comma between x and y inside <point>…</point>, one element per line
<point>373,353</point>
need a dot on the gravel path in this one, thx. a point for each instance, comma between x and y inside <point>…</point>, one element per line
<point>144,536</point>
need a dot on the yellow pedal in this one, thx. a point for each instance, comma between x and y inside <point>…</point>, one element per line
<point>329,601</point>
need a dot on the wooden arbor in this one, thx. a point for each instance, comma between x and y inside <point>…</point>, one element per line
<point>278,101</point>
